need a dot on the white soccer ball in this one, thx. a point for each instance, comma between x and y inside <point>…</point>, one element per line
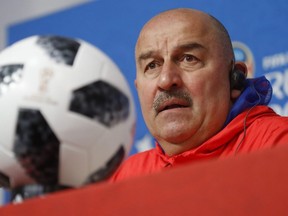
<point>67,115</point>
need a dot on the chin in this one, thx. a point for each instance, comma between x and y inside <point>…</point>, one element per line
<point>176,137</point>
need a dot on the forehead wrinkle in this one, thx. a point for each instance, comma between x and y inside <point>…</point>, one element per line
<point>153,52</point>
<point>187,46</point>
<point>184,47</point>
<point>191,46</point>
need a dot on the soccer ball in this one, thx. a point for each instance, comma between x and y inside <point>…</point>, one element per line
<point>67,114</point>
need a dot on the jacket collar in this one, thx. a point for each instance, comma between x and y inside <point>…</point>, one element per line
<point>216,144</point>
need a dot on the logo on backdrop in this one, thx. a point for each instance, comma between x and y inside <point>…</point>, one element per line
<point>275,67</point>
<point>243,53</point>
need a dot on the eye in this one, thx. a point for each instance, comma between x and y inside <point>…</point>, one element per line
<point>189,58</point>
<point>152,69</point>
<point>190,62</point>
<point>151,66</point>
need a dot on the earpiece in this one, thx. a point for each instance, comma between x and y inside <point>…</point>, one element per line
<point>237,79</point>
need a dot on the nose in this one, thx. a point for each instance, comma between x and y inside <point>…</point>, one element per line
<point>170,76</point>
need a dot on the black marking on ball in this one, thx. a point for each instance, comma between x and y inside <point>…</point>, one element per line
<point>10,74</point>
<point>4,180</point>
<point>102,102</point>
<point>36,147</point>
<point>109,168</point>
<point>60,49</point>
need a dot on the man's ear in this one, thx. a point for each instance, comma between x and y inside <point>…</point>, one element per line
<point>237,77</point>
<point>135,83</point>
<point>241,66</point>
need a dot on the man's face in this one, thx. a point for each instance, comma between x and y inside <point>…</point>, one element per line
<point>182,81</point>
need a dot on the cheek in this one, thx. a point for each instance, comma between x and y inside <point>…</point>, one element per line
<point>209,93</point>
<point>218,92</point>
<point>218,100</point>
<point>146,97</point>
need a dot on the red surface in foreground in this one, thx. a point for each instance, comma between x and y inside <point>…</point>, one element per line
<point>254,184</point>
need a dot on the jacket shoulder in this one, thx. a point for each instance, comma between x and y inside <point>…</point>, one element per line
<point>271,129</point>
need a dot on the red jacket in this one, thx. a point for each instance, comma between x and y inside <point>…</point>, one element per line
<point>263,129</point>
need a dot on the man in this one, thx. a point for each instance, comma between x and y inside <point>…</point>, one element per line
<point>195,98</point>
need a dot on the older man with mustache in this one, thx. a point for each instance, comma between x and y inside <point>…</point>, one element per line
<point>195,99</point>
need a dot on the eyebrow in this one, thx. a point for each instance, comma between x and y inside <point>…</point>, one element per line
<point>145,55</point>
<point>185,47</point>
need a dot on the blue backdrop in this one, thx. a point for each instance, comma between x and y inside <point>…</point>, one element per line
<point>257,28</point>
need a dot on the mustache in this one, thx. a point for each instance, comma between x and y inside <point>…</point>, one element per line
<point>168,95</point>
